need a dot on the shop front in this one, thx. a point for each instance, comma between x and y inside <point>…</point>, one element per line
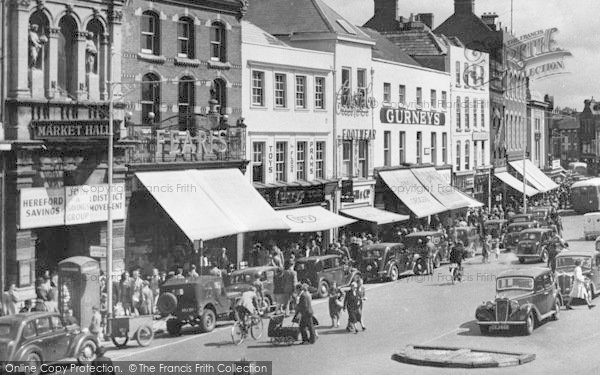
<point>534,176</point>
<point>556,172</point>
<point>465,182</point>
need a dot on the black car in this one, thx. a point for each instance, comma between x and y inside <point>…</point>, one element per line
<point>511,238</point>
<point>384,261</point>
<point>321,272</point>
<point>533,244</point>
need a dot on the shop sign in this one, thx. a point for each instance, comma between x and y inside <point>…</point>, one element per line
<point>411,117</point>
<point>184,145</point>
<point>481,136</point>
<point>347,191</point>
<point>98,251</point>
<point>446,174</point>
<point>73,129</point>
<point>362,194</point>
<point>556,164</point>
<point>358,134</point>
<point>291,196</point>
<point>469,182</point>
<point>69,205</point>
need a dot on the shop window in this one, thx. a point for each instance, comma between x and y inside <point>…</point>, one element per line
<point>434,148</point>
<point>67,57</point>
<point>402,147</point>
<point>219,93</point>
<point>280,90</point>
<point>458,152</point>
<point>258,88</point>
<point>319,92</point>
<point>217,42</point>
<point>150,98</point>
<point>419,147</point>
<point>347,159</point>
<point>320,159</point>
<point>387,140</point>
<point>150,33</point>
<point>363,158</point>
<point>300,92</point>
<point>445,148</point>
<point>185,37</point>
<point>281,161</point>
<point>301,161</point>
<point>258,162</point>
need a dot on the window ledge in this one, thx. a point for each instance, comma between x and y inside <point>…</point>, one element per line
<point>218,65</point>
<point>151,58</point>
<point>281,109</point>
<point>187,61</point>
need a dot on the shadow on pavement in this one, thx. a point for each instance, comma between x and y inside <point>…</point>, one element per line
<point>220,344</point>
<point>337,331</point>
<point>470,329</point>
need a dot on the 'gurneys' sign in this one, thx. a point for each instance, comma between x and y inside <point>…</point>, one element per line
<point>411,117</point>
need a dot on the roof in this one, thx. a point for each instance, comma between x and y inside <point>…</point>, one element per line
<point>382,245</point>
<point>386,50</point>
<point>254,270</point>
<point>316,258</point>
<point>284,17</point>
<point>590,182</point>
<point>527,272</point>
<point>23,316</point>
<point>469,29</point>
<point>419,234</point>
<point>255,35</point>
<point>578,253</point>
<point>421,42</point>
<point>522,224</point>
<point>536,230</point>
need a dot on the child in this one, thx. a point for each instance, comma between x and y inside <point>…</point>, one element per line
<point>336,303</point>
<point>96,323</point>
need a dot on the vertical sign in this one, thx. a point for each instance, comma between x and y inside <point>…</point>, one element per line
<point>311,159</point>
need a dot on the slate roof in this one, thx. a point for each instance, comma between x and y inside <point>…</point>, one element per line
<point>386,50</point>
<point>420,42</point>
<point>284,17</point>
<point>255,35</point>
<point>469,29</point>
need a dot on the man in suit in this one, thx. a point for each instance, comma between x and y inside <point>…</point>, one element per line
<point>304,308</point>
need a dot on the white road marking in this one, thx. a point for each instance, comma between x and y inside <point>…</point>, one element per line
<point>442,335</point>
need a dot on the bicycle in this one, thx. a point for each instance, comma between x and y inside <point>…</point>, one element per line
<point>252,324</point>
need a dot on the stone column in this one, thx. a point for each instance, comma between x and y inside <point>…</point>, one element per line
<point>79,66</point>
<point>114,50</point>
<point>18,48</point>
<point>103,56</point>
<point>52,67</point>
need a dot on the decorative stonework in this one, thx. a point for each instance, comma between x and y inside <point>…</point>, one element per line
<point>243,9</point>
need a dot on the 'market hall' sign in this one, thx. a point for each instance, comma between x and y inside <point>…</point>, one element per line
<point>411,117</point>
<point>74,129</point>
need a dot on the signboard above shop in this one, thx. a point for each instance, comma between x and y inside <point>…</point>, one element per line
<point>358,134</point>
<point>411,117</point>
<point>73,129</point>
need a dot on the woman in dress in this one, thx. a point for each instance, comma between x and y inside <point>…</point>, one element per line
<point>335,305</point>
<point>579,290</point>
<point>353,303</point>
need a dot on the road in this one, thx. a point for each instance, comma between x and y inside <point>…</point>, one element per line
<point>413,310</point>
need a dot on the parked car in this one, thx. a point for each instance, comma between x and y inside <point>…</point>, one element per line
<point>590,265</point>
<point>469,237</point>
<point>496,228</point>
<point>591,225</point>
<point>43,337</point>
<point>321,272</point>
<point>521,218</point>
<point>198,301</point>
<point>384,261</point>
<point>241,280</point>
<point>524,297</point>
<point>415,243</point>
<point>533,244</point>
<point>511,238</point>
<point>541,214</point>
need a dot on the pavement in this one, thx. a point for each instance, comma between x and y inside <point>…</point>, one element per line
<point>423,311</point>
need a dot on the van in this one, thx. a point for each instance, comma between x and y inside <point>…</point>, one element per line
<point>591,225</point>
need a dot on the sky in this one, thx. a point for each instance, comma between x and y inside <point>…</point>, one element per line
<point>575,21</point>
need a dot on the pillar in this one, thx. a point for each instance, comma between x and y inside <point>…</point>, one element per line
<point>240,248</point>
<point>114,50</point>
<point>79,71</point>
<point>52,68</point>
<point>18,48</point>
<point>103,56</point>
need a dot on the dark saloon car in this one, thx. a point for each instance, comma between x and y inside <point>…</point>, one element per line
<point>198,301</point>
<point>590,265</point>
<point>521,218</point>
<point>524,297</point>
<point>541,214</point>
<point>384,261</point>
<point>513,231</point>
<point>321,272</point>
<point>43,337</point>
<point>533,244</point>
<point>416,244</point>
<point>241,280</point>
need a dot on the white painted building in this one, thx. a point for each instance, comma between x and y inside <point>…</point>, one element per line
<point>537,109</point>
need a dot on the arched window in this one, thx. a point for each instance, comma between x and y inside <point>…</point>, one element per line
<point>150,33</point>
<point>185,38</point>
<point>218,50</point>
<point>186,103</point>
<point>219,93</point>
<point>150,98</point>
<point>67,57</point>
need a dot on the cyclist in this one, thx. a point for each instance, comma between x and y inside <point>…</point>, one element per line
<point>457,254</point>
<point>247,305</point>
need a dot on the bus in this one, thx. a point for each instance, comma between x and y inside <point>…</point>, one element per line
<point>585,195</point>
<point>578,167</point>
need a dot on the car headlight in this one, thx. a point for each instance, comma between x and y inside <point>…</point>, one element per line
<point>415,256</point>
<point>489,305</point>
<point>514,306</point>
<point>369,268</point>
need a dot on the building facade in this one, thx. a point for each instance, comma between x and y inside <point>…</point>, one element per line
<point>588,129</point>
<point>537,117</point>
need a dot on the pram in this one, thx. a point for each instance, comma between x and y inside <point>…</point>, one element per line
<point>280,334</point>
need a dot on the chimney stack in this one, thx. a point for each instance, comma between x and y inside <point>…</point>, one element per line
<point>426,18</point>
<point>464,6</point>
<point>490,20</point>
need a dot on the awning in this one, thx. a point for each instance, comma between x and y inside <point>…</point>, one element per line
<point>440,189</point>
<point>508,179</point>
<point>473,203</point>
<point>212,203</point>
<point>312,219</point>
<point>412,193</point>
<point>374,215</point>
<point>535,176</point>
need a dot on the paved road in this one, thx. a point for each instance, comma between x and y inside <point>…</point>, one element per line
<point>413,310</point>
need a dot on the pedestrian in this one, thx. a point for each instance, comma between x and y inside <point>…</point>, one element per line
<point>336,304</point>
<point>305,313</point>
<point>353,304</point>
<point>9,301</point>
<point>136,292</point>
<point>360,288</point>
<point>430,251</point>
<point>487,248</point>
<point>223,260</point>
<point>96,322</point>
<point>27,306</point>
<point>102,365</point>
<point>179,274</point>
<point>290,280</point>
<point>193,273</point>
<point>125,292</point>
<point>155,283</point>
<point>579,290</point>
<point>147,302</point>
<point>260,291</point>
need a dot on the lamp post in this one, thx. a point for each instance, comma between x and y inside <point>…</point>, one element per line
<point>109,221</point>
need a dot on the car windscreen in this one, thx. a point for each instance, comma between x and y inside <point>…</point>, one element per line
<point>7,331</point>
<point>530,236</point>
<point>512,283</point>
<point>569,262</point>
<point>373,253</point>
<point>242,279</point>
<point>414,241</point>
<point>520,220</point>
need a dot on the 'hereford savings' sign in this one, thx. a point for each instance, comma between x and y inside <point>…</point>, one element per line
<point>411,117</point>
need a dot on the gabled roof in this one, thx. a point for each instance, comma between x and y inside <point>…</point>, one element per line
<point>284,17</point>
<point>468,28</point>
<point>418,42</point>
<point>255,35</point>
<point>386,50</point>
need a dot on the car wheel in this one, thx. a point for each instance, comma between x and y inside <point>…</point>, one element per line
<point>34,361</point>
<point>521,260</point>
<point>323,290</point>
<point>87,352</point>
<point>556,309</point>
<point>121,342</point>
<point>529,324</point>
<point>144,335</point>
<point>544,257</point>
<point>208,321</point>
<point>394,273</point>
<point>420,267</point>
<point>167,303</point>
<point>173,327</point>
<point>484,329</point>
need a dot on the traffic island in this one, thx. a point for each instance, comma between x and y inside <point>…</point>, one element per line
<point>436,356</point>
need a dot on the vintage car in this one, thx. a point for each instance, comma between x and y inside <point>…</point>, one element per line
<point>241,280</point>
<point>469,237</point>
<point>384,261</point>
<point>533,244</point>
<point>496,228</point>
<point>415,243</point>
<point>321,272</point>
<point>524,297</point>
<point>541,214</point>
<point>590,265</point>
<point>43,337</point>
<point>521,218</point>
<point>198,301</point>
<point>511,238</point>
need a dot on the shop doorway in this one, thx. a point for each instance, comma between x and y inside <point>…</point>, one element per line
<point>57,243</point>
